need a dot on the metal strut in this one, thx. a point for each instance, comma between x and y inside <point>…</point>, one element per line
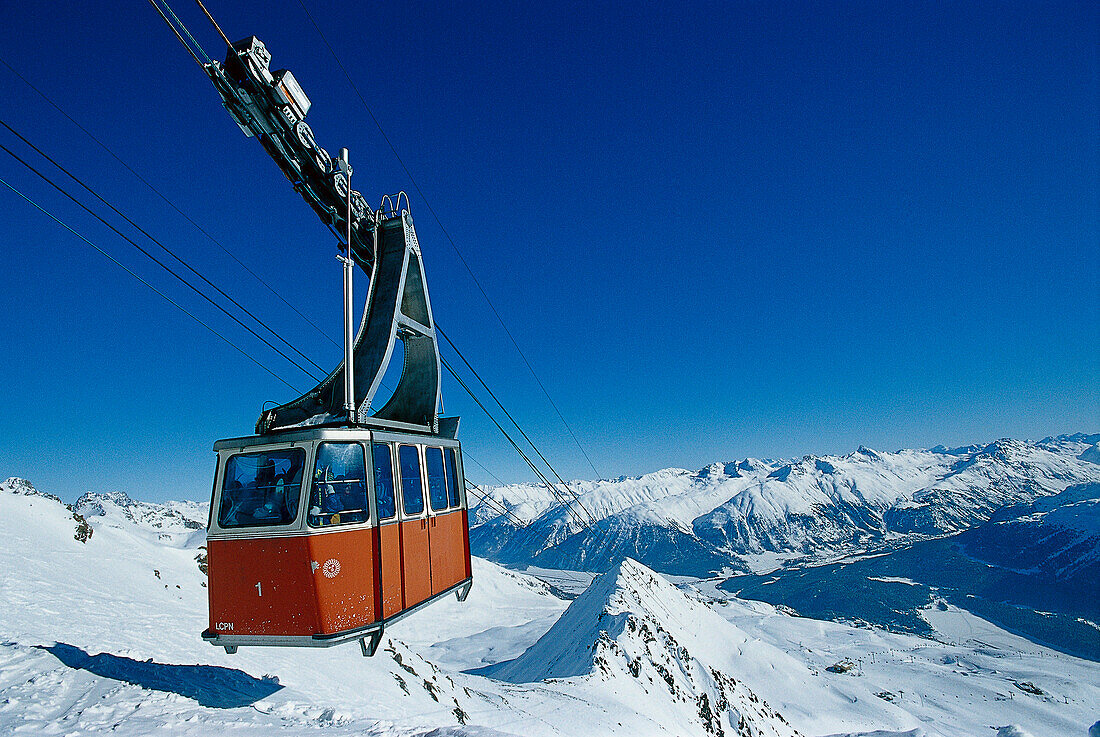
<point>398,308</point>
<point>271,106</point>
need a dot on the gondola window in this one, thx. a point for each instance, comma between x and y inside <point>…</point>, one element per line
<point>339,492</point>
<point>261,489</point>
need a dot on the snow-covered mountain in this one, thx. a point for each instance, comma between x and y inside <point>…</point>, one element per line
<point>174,522</point>
<point>755,514</point>
<point>635,637</point>
<point>99,633</point>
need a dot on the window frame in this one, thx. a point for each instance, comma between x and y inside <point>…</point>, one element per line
<point>368,489</point>
<point>224,458</point>
<point>455,454</point>
<point>423,513</point>
<point>427,475</point>
<point>395,481</point>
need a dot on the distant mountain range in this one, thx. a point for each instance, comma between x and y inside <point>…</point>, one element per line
<point>755,515</point>
<point>1009,530</point>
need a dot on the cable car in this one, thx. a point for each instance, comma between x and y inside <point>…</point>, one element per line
<point>318,537</point>
<point>322,532</point>
<point>336,519</point>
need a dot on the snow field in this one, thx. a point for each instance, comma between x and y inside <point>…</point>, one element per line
<point>103,636</point>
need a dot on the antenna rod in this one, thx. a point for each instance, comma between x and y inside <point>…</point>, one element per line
<point>349,338</point>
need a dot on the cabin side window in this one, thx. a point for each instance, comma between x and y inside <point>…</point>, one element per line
<point>452,478</point>
<point>338,495</point>
<point>383,481</point>
<point>437,480</point>
<point>412,490</point>
<point>261,489</point>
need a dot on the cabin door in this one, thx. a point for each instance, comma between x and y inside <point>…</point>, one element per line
<point>415,560</point>
<point>389,531</point>
<point>445,526</point>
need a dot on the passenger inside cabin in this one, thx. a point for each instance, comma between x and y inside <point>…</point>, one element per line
<point>261,488</point>
<point>339,492</point>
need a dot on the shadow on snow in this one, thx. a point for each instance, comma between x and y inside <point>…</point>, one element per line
<point>210,685</point>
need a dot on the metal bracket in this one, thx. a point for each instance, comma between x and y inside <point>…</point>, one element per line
<point>369,649</point>
<point>397,308</point>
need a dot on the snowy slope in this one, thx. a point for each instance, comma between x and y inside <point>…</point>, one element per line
<point>752,513</point>
<point>972,679</point>
<point>102,635</point>
<point>636,636</point>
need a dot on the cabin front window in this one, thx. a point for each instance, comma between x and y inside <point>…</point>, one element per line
<point>261,489</point>
<point>338,495</point>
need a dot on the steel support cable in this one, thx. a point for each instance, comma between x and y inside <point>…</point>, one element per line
<point>182,27</point>
<point>132,273</point>
<point>494,504</point>
<point>520,524</point>
<point>447,234</point>
<point>171,204</point>
<point>467,457</point>
<point>214,23</point>
<point>508,414</point>
<point>171,253</point>
<point>561,499</point>
<point>155,260</point>
<point>182,42</point>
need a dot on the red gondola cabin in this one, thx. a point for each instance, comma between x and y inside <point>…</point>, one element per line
<point>321,536</point>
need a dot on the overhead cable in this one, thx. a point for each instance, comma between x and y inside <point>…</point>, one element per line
<point>494,504</point>
<point>557,495</point>
<point>154,259</point>
<point>132,273</point>
<point>170,203</point>
<point>171,253</point>
<point>508,414</point>
<point>447,234</point>
<point>181,27</point>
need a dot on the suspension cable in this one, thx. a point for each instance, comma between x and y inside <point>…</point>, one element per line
<point>170,203</point>
<point>508,414</point>
<point>215,24</point>
<point>134,274</point>
<point>154,259</point>
<point>171,253</point>
<point>466,457</point>
<point>182,42</point>
<point>447,234</point>
<point>494,504</point>
<point>181,27</point>
<point>558,496</point>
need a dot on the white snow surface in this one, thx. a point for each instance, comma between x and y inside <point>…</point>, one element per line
<point>103,636</point>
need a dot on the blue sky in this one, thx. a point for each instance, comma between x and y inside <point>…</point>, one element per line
<point>716,230</point>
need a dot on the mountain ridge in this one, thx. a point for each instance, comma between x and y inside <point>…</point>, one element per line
<point>727,515</point>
